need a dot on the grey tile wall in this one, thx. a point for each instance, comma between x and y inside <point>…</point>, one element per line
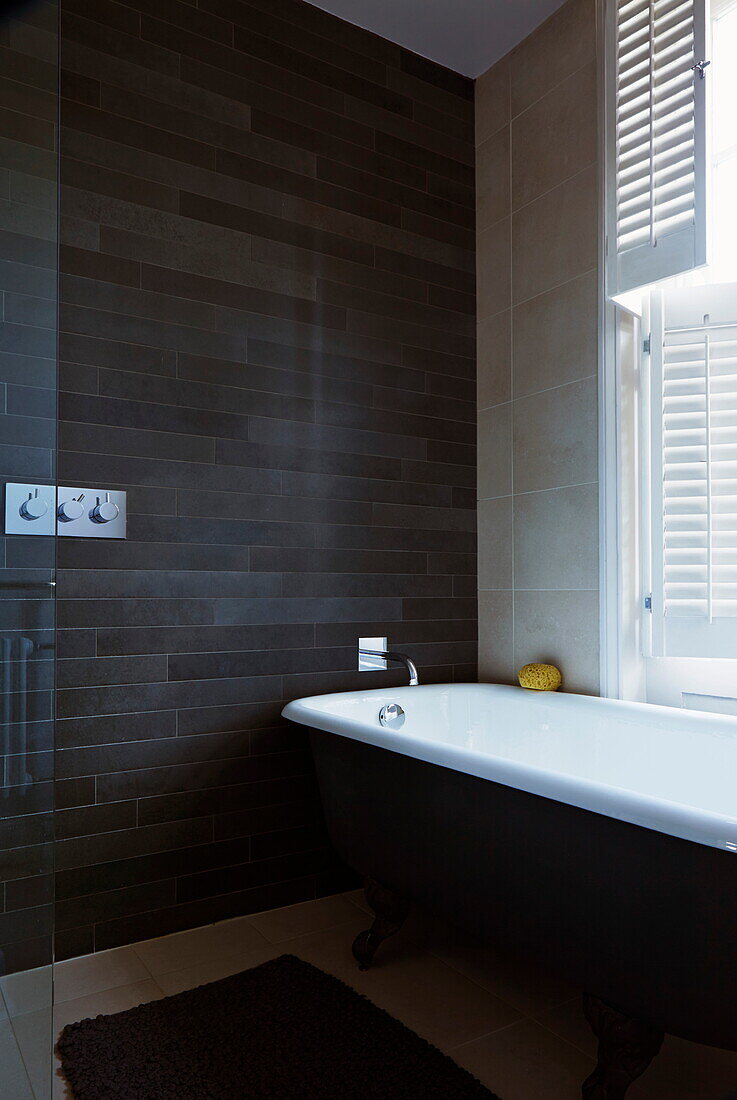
<point>267,338</point>
<point>538,239</point>
<point>28,285</point>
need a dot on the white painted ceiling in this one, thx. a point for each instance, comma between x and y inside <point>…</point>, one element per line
<point>466,35</point>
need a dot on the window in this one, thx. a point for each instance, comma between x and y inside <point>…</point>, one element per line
<point>671,191</point>
<point>724,143</point>
<point>694,471</point>
<point>656,207</point>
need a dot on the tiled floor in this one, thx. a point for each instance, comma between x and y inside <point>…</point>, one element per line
<point>521,1031</point>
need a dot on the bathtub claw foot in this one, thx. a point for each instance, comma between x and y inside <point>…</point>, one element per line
<point>626,1049</point>
<point>390,913</point>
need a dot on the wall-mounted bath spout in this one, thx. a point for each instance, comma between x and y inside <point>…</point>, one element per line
<point>398,658</point>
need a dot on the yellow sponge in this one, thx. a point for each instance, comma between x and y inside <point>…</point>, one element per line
<point>540,677</point>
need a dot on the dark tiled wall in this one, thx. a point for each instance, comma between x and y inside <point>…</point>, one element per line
<point>268,339</point>
<point>28,278</point>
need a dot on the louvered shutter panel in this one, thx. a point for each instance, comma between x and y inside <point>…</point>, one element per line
<point>695,402</point>
<point>657,161</point>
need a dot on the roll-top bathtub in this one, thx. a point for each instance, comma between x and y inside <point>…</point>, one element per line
<point>596,833</point>
<point>662,768</point>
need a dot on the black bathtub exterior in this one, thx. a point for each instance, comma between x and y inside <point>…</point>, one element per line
<point>644,921</point>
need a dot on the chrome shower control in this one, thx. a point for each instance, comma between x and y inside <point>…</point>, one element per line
<point>392,716</point>
<point>29,509</point>
<point>70,510</point>
<point>65,509</point>
<point>105,511</point>
<point>33,508</point>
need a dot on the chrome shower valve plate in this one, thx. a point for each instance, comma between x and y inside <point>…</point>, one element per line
<point>30,509</point>
<point>65,510</point>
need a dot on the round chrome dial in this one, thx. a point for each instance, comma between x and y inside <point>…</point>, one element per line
<point>34,508</point>
<point>105,510</point>
<point>70,510</point>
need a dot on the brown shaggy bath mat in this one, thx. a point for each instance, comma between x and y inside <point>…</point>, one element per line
<point>283,1030</point>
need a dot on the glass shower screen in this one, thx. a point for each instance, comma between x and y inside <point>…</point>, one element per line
<point>29,103</point>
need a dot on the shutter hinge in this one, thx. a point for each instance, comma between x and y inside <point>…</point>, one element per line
<point>649,603</point>
<point>647,344</point>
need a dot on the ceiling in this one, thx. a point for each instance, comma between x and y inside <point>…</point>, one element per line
<point>465,35</point>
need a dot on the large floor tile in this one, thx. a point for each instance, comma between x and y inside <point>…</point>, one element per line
<point>526,1061</point>
<point>567,1020</point>
<point>688,1071</point>
<point>357,897</point>
<point>60,1090</point>
<point>331,949</point>
<point>91,973</point>
<point>26,991</point>
<point>104,1002</point>
<point>433,999</point>
<point>176,981</point>
<point>199,946</point>
<point>13,1077</point>
<point>527,987</point>
<point>682,1071</point>
<point>278,925</point>
<point>35,1037</point>
<point>516,1026</point>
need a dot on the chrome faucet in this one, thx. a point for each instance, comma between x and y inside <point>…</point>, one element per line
<point>398,658</point>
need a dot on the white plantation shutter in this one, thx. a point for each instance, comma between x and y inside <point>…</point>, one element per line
<point>657,155</point>
<point>694,434</point>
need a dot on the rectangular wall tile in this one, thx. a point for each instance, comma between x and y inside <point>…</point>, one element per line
<point>495,451</point>
<point>556,538</point>
<point>570,112</point>
<point>559,47</point>
<point>538,360</point>
<point>555,437</point>
<point>494,350</point>
<point>495,543</point>
<point>268,339</point>
<point>559,628</point>
<point>555,336</point>
<point>494,268</point>
<point>496,637</point>
<point>493,179</point>
<point>555,238</point>
<point>493,107</point>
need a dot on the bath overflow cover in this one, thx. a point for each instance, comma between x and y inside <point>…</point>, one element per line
<point>392,715</point>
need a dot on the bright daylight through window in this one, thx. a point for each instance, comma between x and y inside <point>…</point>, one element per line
<point>672,260</point>
<point>723,266</point>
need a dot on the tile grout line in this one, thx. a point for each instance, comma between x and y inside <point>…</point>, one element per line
<point>536,393</point>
